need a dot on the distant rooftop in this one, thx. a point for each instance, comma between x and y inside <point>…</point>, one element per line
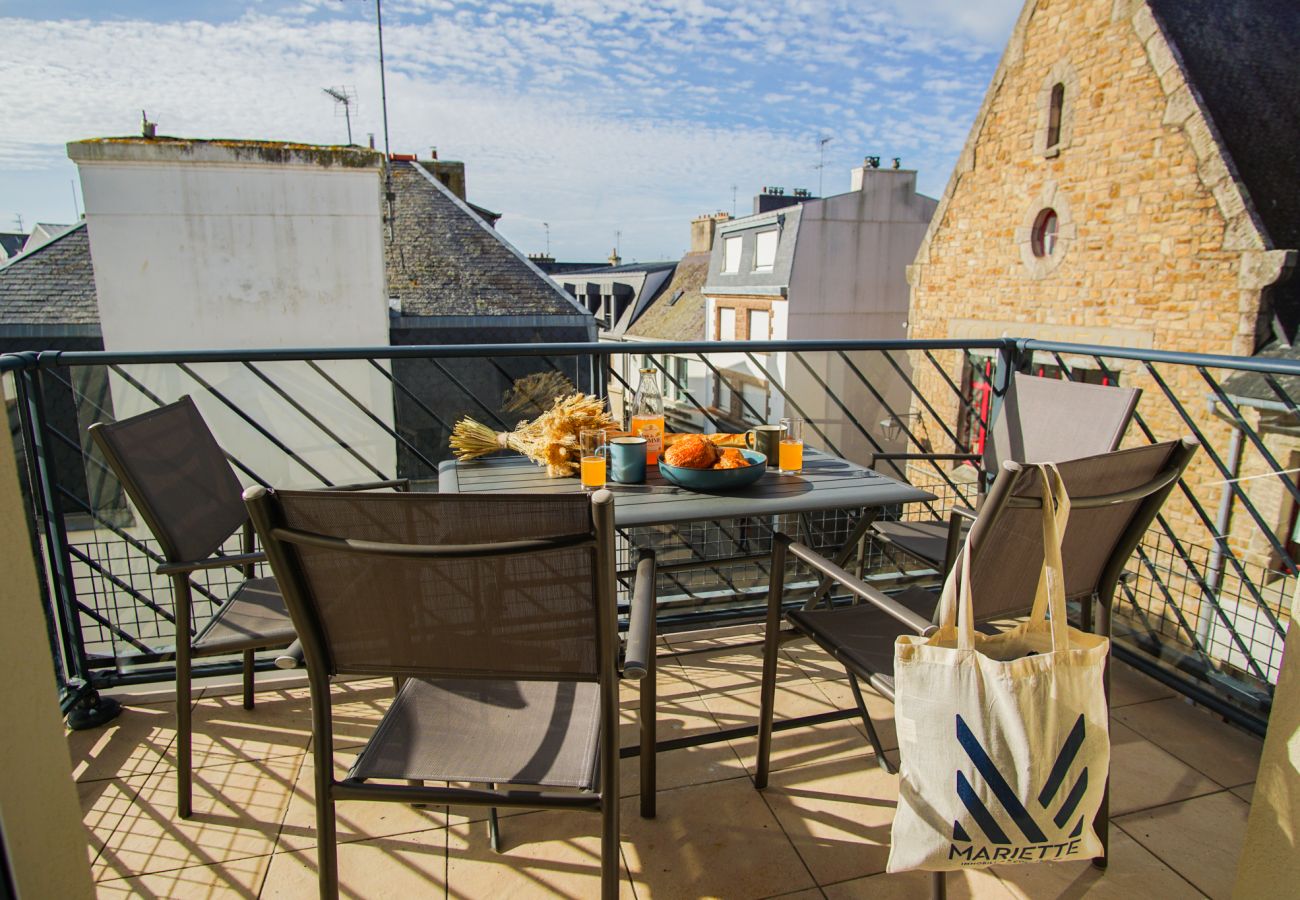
<point>446,261</point>
<point>606,269</point>
<point>678,312</point>
<point>129,148</point>
<point>50,287</point>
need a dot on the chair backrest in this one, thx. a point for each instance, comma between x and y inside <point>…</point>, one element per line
<point>1101,535</point>
<point>175,473</point>
<point>460,586</point>
<point>1054,420</point>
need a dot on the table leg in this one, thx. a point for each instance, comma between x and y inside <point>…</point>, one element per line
<point>857,534</point>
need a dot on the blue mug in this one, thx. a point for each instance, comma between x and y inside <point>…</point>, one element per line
<point>627,459</point>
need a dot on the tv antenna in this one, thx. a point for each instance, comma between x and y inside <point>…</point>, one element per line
<point>343,97</point>
<point>733,201</point>
<point>821,160</point>
<point>547,226</point>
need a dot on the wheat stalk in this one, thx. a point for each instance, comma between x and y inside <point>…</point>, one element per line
<point>550,440</point>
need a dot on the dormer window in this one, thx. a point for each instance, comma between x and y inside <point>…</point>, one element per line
<point>765,250</point>
<point>731,254</point>
<point>1055,109</point>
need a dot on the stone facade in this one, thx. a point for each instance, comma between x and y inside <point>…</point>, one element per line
<point>1155,243</point>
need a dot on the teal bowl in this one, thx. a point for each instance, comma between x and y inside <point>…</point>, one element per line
<point>716,480</point>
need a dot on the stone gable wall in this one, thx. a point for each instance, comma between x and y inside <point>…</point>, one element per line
<point>1156,245</point>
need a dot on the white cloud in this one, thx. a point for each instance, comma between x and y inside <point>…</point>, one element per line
<point>890,74</point>
<point>594,115</point>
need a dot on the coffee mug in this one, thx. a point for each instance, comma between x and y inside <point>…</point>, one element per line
<point>627,459</point>
<point>766,439</point>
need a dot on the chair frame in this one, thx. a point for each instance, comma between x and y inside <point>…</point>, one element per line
<point>960,515</point>
<point>1000,497</point>
<point>638,662</point>
<point>178,571</point>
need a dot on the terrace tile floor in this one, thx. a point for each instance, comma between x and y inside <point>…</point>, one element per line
<point>1181,792</point>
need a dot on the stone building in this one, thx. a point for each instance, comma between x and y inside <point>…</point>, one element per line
<point>1131,180</point>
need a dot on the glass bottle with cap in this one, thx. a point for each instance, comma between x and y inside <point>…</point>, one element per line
<point>647,419</point>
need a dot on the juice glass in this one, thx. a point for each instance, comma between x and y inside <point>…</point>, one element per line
<point>790,451</point>
<point>595,452</point>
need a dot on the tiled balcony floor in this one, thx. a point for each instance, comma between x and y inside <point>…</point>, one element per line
<point>1181,788</point>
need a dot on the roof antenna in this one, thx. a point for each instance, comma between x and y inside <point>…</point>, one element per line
<point>821,160</point>
<point>147,129</point>
<point>345,98</point>
<point>389,196</point>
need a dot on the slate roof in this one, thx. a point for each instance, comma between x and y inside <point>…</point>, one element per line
<point>53,284</point>
<point>446,261</point>
<point>11,244</point>
<point>682,320</point>
<point>1241,59</point>
<point>625,267</point>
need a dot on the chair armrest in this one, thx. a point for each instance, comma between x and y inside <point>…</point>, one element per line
<point>876,598</point>
<point>215,562</point>
<point>964,512</point>
<point>641,620</point>
<point>398,484</point>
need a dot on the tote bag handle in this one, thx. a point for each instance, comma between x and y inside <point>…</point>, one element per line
<point>1049,612</point>
<point>957,610</point>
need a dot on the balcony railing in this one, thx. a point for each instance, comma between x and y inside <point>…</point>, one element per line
<point>1203,609</point>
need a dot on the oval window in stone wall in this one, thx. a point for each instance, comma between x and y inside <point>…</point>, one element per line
<point>1046,228</point>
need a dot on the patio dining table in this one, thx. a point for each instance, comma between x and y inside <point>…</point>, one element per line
<point>825,483</point>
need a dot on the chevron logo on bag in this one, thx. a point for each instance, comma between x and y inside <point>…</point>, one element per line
<point>1032,843</point>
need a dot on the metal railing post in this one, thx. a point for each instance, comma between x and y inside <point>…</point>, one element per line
<point>49,513</point>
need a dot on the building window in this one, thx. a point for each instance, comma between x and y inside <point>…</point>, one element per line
<point>1055,128</point>
<point>765,250</point>
<point>1056,107</point>
<point>726,324</point>
<point>731,254</point>
<point>1046,229</point>
<point>758,325</point>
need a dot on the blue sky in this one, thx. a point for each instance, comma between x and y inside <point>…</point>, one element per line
<point>597,116</point>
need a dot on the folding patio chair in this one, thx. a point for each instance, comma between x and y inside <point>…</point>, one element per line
<point>179,480</point>
<point>498,611</point>
<point>1040,420</point>
<point>1113,499</point>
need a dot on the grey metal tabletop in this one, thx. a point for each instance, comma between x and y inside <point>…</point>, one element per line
<point>826,482</point>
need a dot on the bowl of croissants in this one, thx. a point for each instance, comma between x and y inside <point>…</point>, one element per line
<point>698,463</point>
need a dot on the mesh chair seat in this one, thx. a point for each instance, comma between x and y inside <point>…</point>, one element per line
<point>253,618</point>
<point>862,636</point>
<point>543,733</point>
<point>927,541</point>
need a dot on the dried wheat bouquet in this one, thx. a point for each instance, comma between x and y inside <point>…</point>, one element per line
<point>550,440</point>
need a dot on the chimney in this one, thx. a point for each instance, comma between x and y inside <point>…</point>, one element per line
<point>869,174</point>
<point>614,258</point>
<point>703,228</point>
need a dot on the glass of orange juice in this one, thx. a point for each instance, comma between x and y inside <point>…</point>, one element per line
<point>790,450</point>
<point>595,453</point>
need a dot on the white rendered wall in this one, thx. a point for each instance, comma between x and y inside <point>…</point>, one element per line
<point>245,253</point>
<point>848,281</point>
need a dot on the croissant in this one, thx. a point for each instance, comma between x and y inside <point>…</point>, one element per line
<point>692,452</point>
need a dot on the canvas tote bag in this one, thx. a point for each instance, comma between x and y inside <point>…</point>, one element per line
<point>1003,739</point>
